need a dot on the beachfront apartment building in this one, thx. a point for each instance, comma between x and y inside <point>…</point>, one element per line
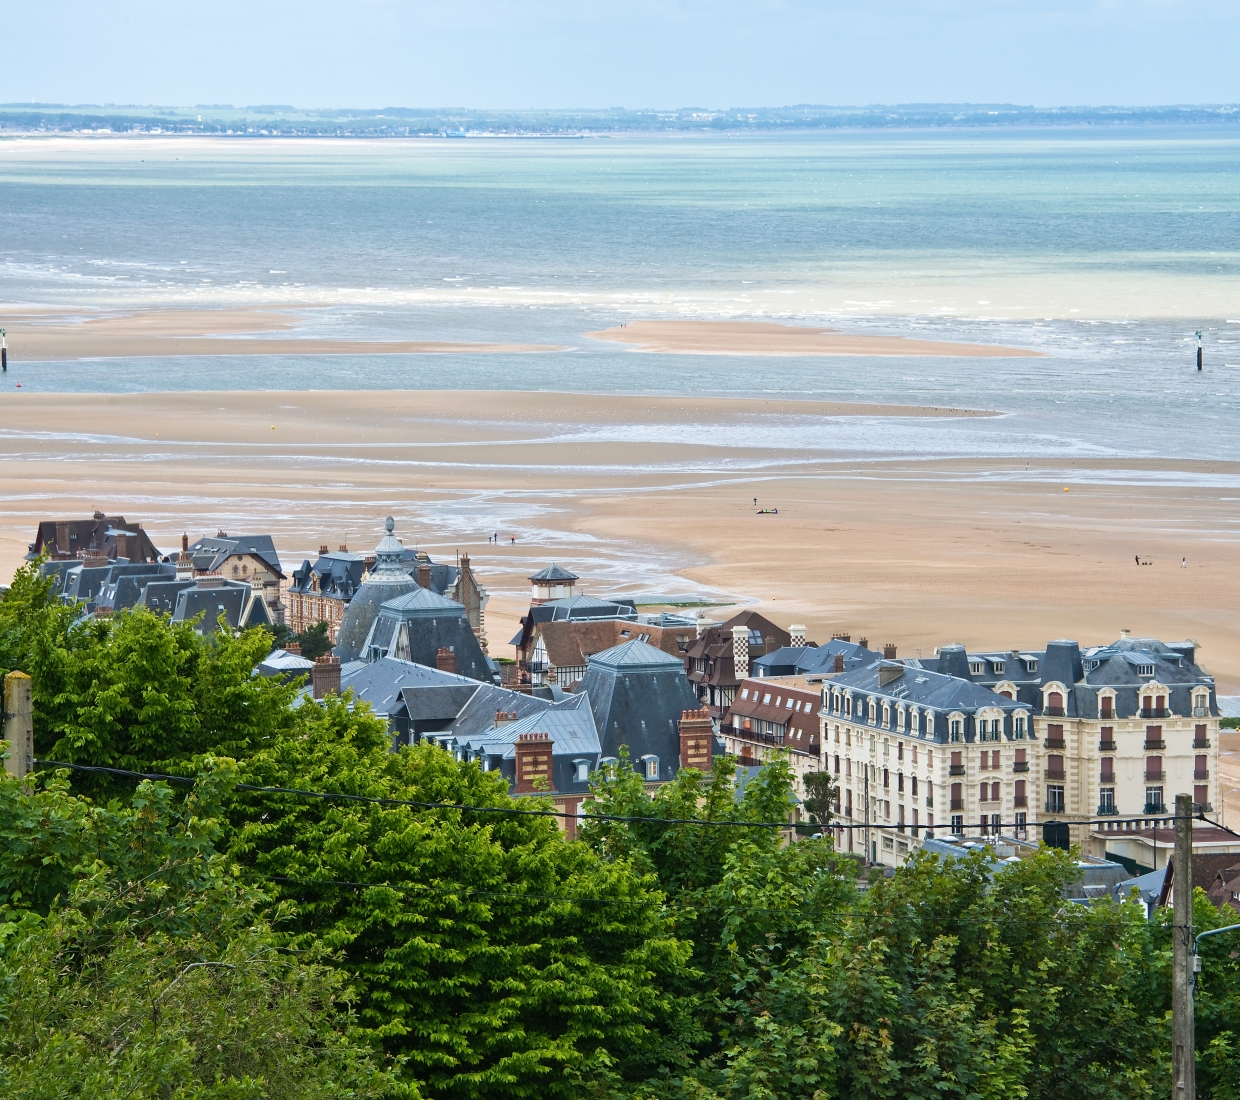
<point>1121,730</point>
<point>915,750</point>
<point>773,714</point>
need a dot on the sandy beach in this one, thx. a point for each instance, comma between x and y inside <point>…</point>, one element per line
<point>58,335</point>
<point>771,338</point>
<point>647,495</point>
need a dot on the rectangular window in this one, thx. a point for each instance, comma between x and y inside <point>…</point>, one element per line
<point>956,729</point>
<point>1019,728</point>
<point>848,803</point>
<point>899,750</point>
<point>1154,800</point>
<point>983,794</point>
<point>1153,767</point>
<point>994,792</point>
<point>957,796</point>
<point>900,782</point>
<point>837,763</point>
<point>1021,798</point>
<point>1054,799</point>
<point>958,824</point>
<point>1201,767</point>
<point>1054,737</point>
<point>1201,796</point>
<point>1108,707</point>
<point>913,781</point>
<point>1107,774</point>
<point>1106,800</point>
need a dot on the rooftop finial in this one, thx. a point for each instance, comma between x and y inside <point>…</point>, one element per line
<point>389,525</point>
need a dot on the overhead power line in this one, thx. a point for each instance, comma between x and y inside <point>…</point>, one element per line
<point>579,816</point>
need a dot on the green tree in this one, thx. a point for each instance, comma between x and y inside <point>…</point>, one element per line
<point>821,795</point>
<point>497,958</point>
<point>142,968</point>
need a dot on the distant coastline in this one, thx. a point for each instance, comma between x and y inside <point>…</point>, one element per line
<point>284,120</point>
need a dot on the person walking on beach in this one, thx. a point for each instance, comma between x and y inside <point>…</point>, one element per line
<point>1184,563</point>
<point>514,540</point>
<point>1137,558</point>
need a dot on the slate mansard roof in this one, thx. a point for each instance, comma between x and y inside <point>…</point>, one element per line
<point>417,624</point>
<point>638,694</point>
<point>210,553</point>
<point>1124,667</point>
<point>812,660</point>
<point>929,692</point>
<point>554,574</point>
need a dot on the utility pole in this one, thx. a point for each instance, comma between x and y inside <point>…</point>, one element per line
<point>1183,1058</point>
<point>18,724</point>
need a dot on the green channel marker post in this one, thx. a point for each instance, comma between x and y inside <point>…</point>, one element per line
<point>4,352</point>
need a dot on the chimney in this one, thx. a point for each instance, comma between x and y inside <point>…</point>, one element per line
<point>533,753</point>
<point>325,676</point>
<point>740,651</point>
<point>696,734</point>
<point>94,559</point>
<point>704,624</point>
<point>122,544</point>
<point>502,717</point>
<point>889,652</point>
<point>62,537</point>
<point>209,580</point>
<point>445,659</point>
<point>18,724</point>
<point>294,648</point>
<point>841,637</point>
<point>344,547</point>
<point>864,643</point>
<point>1125,633</point>
<point>322,549</point>
<point>770,646</point>
<point>839,663</point>
<point>888,672</point>
<point>797,630</point>
<point>424,575</point>
<point>98,515</point>
<point>184,542</point>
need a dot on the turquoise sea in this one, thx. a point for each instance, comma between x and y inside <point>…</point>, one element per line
<point>1106,249</point>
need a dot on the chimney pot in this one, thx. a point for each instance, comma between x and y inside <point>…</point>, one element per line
<point>841,637</point>
<point>424,575</point>
<point>325,676</point>
<point>445,659</point>
<point>221,534</point>
<point>322,548</point>
<point>864,643</point>
<point>889,651</point>
<point>344,547</point>
<point>293,648</point>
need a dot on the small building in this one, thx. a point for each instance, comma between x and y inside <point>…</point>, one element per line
<point>320,592</point>
<point>101,536</point>
<point>428,629</point>
<point>840,654</point>
<point>249,558</point>
<point>562,647</point>
<point>212,600</point>
<point>552,583</point>
<point>719,658</point>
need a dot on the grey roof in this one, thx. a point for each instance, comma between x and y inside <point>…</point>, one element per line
<point>423,603</point>
<point>280,662</point>
<point>437,702</point>
<point>478,714</point>
<point>381,683</point>
<point>213,552</point>
<point>387,580</point>
<point>811,660</point>
<point>553,574</point>
<point>638,694</point>
<point>584,607</point>
<point>921,688</point>
<point>636,656</point>
<point>230,599</point>
<point>161,596</point>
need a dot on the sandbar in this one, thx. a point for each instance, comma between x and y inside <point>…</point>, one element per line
<point>58,335</point>
<point>772,338</point>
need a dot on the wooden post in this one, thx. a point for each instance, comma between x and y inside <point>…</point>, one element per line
<point>4,351</point>
<point>18,724</point>
<point>1183,1059</point>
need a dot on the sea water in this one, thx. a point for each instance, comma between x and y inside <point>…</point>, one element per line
<point>1105,249</point>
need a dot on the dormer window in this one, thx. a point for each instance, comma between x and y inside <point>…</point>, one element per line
<point>1145,670</point>
<point>650,765</point>
<point>1031,664</point>
<point>582,771</point>
<point>744,693</point>
<point>957,729</point>
<point>976,668</point>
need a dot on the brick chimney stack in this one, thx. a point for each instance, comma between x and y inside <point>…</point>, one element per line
<point>294,648</point>
<point>424,574</point>
<point>740,651</point>
<point>839,663</point>
<point>445,659</point>
<point>841,637</point>
<point>864,643</point>
<point>325,676</point>
<point>504,716</point>
<point>533,752</point>
<point>184,542</point>
<point>322,549</point>
<point>696,735</point>
<point>889,651</point>
<point>797,630</point>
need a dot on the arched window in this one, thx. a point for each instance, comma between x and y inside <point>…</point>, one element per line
<point>1054,702</point>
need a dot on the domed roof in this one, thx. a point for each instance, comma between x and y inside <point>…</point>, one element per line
<point>387,580</point>
<point>635,656</point>
<point>554,574</point>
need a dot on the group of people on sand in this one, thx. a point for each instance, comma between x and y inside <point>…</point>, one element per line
<point>1137,559</point>
<point>495,539</point>
<point>765,511</point>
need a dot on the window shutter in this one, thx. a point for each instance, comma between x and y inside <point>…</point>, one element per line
<point>1020,789</point>
<point>994,792</point>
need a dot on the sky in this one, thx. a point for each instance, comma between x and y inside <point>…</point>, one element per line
<point>620,53</point>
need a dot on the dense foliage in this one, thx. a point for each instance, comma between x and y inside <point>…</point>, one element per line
<point>218,942</point>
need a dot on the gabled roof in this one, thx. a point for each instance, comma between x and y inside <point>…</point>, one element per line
<point>569,724</point>
<point>554,574</point>
<point>478,715</point>
<point>380,683</point>
<point>280,662</point>
<point>215,551</point>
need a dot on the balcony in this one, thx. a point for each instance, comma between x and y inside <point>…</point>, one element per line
<point>1053,712</point>
<point>1202,808</point>
<point>1201,742</point>
<point>1055,773</point>
<point>1107,811</point>
<point>1056,743</point>
<point>1155,746</point>
<point>536,668</point>
<point>1201,712</point>
<point>1155,712</point>
<point>957,803</point>
<point>1054,807</point>
<point>955,769</point>
<point>1201,774</point>
<point>1155,777</point>
<point>1106,746</point>
<point>1021,800</point>
<point>1020,766</point>
<point>1155,808</point>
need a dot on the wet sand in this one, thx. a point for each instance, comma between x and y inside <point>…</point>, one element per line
<point>771,338</point>
<point>646,496</point>
<point>58,335</point>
